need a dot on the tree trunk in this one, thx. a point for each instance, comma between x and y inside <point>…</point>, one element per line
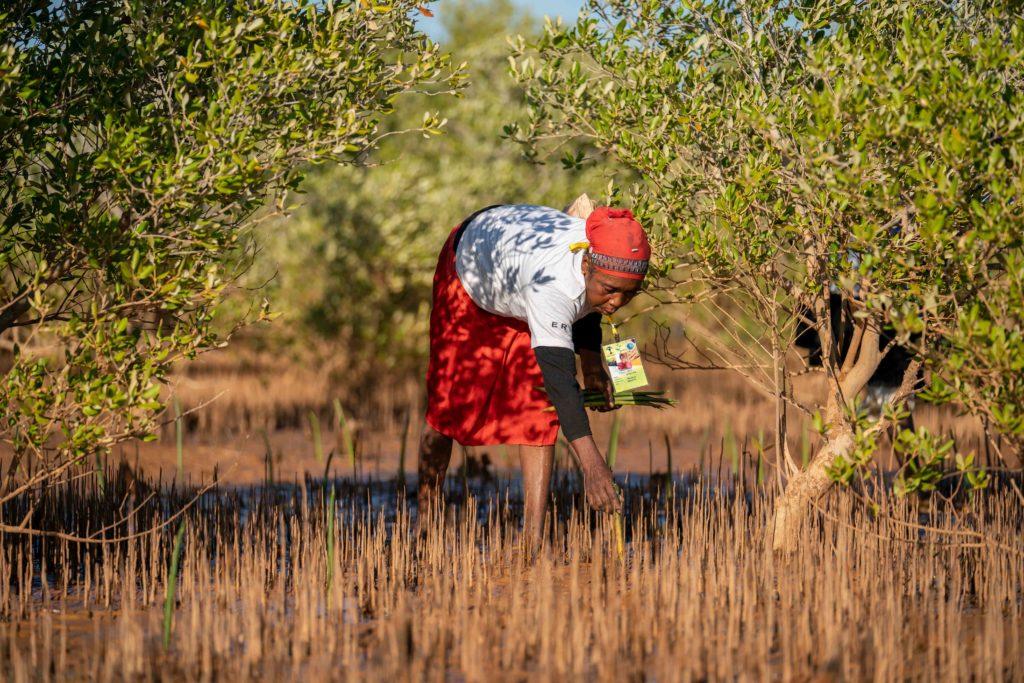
<point>847,377</point>
<point>803,489</point>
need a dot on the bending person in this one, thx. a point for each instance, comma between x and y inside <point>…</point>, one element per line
<point>518,291</point>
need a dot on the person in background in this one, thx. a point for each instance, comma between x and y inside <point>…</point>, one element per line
<point>518,292</point>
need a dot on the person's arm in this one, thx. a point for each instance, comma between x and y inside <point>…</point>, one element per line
<point>558,367</point>
<point>597,476</point>
<point>549,319</point>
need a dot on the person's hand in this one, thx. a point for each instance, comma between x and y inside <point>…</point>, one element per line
<point>602,494</point>
<point>595,378</point>
<point>600,383</point>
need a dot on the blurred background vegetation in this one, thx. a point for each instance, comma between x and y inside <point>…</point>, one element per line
<point>349,271</point>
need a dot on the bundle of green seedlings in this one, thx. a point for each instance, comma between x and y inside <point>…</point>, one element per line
<point>651,399</point>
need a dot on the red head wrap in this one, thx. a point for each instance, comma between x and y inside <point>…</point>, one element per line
<point>618,244</point>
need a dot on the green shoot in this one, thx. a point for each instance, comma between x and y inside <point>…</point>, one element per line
<point>346,434</point>
<point>172,584</point>
<point>101,472</point>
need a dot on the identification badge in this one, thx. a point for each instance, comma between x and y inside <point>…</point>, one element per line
<point>624,365</point>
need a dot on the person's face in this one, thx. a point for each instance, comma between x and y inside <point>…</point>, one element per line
<point>607,293</point>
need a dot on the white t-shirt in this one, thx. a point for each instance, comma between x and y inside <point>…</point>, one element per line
<point>515,261</point>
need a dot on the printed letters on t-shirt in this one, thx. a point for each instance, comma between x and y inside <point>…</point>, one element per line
<point>550,315</point>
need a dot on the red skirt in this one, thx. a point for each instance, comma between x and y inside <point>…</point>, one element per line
<point>482,379</point>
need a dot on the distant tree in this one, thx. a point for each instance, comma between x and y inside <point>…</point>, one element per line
<point>139,143</point>
<point>352,269</point>
<point>793,149</point>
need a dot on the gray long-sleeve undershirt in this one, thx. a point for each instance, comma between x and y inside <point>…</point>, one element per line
<point>558,366</point>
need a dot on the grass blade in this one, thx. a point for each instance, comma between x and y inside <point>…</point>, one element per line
<point>101,472</point>
<point>346,434</point>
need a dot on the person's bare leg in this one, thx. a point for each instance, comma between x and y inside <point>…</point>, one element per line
<point>536,462</point>
<point>435,454</point>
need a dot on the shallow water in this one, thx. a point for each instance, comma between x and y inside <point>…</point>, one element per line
<point>255,600</point>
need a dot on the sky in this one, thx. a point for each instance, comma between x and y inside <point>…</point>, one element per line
<point>567,9</point>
